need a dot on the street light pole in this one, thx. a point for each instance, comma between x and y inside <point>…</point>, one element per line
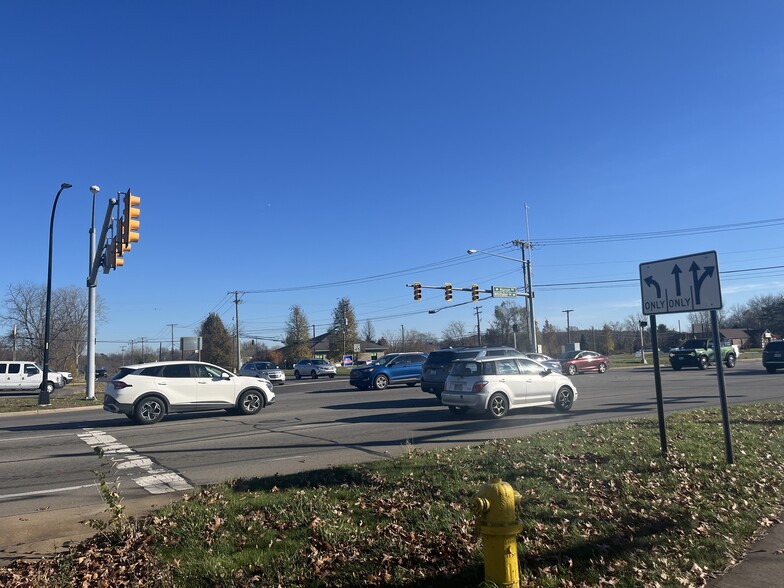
<point>90,372</point>
<point>528,288</point>
<point>43,395</point>
<point>568,326</point>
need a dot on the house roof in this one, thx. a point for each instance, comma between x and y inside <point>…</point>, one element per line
<point>320,344</point>
<point>734,333</point>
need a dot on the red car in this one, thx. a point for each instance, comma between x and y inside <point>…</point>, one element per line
<point>574,362</point>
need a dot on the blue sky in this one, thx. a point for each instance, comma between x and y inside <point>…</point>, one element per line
<point>304,152</point>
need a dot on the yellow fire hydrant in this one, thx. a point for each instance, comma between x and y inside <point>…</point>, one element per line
<point>494,506</point>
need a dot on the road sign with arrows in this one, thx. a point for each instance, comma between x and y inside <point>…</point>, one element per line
<point>681,284</point>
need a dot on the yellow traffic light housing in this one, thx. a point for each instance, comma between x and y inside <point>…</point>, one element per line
<point>417,291</point>
<point>130,220</point>
<point>474,293</point>
<point>448,292</point>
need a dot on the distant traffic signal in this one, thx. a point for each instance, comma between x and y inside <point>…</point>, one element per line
<point>474,293</point>
<point>448,292</point>
<point>417,291</point>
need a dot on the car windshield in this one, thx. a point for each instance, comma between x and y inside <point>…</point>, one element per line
<point>320,362</point>
<point>569,355</point>
<point>265,365</point>
<point>694,344</point>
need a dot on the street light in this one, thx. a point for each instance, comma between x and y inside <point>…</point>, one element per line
<point>90,372</point>
<point>43,395</point>
<point>529,288</point>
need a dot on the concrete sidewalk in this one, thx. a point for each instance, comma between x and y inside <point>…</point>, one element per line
<point>763,566</point>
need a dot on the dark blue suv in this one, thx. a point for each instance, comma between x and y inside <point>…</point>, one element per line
<point>392,368</point>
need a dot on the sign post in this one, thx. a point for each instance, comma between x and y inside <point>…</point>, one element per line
<point>685,284</point>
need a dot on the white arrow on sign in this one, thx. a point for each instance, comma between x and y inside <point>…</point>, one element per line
<point>681,284</point>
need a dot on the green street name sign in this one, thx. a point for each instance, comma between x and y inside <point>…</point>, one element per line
<point>504,292</point>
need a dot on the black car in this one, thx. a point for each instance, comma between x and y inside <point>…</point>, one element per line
<point>100,373</point>
<point>438,363</point>
<point>773,356</point>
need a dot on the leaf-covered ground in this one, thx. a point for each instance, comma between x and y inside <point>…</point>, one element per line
<point>601,507</point>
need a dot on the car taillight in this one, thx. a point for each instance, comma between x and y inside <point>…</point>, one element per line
<point>477,388</point>
<point>119,385</point>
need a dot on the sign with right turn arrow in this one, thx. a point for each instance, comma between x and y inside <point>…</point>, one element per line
<point>681,284</point>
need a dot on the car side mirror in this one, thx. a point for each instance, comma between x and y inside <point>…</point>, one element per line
<point>225,376</point>
<point>547,372</point>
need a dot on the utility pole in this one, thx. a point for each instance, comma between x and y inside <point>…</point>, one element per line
<point>237,325</point>
<point>478,327</point>
<point>402,338</point>
<point>172,325</point>
<point>568,326</point>
<point>529,285</point>
<point>141,340</point>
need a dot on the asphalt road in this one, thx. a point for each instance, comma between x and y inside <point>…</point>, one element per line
<point>48,485</point>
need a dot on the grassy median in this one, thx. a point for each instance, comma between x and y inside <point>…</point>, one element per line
<point>601,506</point>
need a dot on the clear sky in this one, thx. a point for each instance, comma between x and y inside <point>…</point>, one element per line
<point>305,151</point>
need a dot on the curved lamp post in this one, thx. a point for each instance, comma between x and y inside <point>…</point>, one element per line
<point>43,395</point>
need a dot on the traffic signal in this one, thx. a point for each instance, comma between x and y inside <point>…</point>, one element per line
<point>130,223</point>
<point>112,256</point>
<point>474,293</point>
<point>448,292</point>
<point>417,291</point>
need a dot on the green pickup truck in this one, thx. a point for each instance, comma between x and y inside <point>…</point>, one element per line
<point>699,353</point>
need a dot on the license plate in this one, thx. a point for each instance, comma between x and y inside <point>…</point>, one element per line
<point>457,386</point>
<point>777,354</point>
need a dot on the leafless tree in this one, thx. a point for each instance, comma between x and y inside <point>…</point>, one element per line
<point>24,306</point>
<point>368,333</point>
<point>455,333</point>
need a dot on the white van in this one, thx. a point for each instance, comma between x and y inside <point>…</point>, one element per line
<point>26,375</point>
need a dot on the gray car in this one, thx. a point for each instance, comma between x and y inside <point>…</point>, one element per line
<point>314,368</point>
<point>263,369</point>
<point>497,385</point>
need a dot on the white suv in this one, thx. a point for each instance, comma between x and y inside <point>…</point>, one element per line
<point>314,368</point>
<point>498,384</point>
<point>147,392</point>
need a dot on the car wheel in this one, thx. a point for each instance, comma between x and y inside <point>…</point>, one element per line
<point>380,382</point>
<point>602,368</point>
<point>676,367</point>
<point>314,375</point>
<point>250,402</point>
<point>458,409</point>
<point>730,362</point>
<point>498,405</point>
<point>571,370</point>
<point>564,399</point>
<point>771,370</point>
<point>297,375</point>
<point>331,376</point>
<point>702,362</point>
<point>149,410</point>
<point>50,387</point>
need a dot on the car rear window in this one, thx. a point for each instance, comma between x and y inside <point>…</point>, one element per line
<point>466,369</point>
<point>775,346</point>
<point>124,371</point>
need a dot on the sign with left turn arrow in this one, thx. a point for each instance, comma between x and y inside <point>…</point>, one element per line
<point>681,284</point>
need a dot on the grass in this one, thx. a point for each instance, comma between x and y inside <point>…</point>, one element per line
<point>72,395</point>
<point>600,506</point>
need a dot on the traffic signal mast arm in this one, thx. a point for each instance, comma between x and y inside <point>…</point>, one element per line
<point>107,221</point>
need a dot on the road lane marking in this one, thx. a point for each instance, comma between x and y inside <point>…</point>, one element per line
<point>3,440</point>
<point>49,491</point>
<point>148,475</point>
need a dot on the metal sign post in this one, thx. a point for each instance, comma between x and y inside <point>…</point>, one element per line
<point>684,284</point>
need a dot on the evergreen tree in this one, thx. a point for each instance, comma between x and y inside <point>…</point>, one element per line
<point>297,335</point>
<point>343,331</point>
<point>216,342</point>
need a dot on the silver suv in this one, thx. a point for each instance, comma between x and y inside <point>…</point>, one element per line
<point>437,365</point>
<point>498,384</point>
<point>314,368</point>
<point>263,369</point>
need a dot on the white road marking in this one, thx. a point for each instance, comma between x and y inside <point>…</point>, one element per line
<point>142,470</point>
<point>49,491</point>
